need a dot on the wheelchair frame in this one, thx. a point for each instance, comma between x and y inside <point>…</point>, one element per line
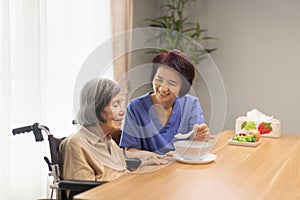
<point>58,185</point>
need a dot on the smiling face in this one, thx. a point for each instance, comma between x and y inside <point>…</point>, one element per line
<point>117,107</point>
<point>166,85</point>
<point>114,111</point>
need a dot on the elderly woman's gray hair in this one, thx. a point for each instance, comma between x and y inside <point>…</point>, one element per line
<point>94,96</point>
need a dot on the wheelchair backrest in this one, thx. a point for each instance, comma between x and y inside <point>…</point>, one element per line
<point>54,149</point>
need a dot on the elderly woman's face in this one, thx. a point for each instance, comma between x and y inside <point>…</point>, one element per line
<point>166,84</point>
<point>114,111</point>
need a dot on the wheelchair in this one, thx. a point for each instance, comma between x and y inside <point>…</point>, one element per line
<point>59,185</point>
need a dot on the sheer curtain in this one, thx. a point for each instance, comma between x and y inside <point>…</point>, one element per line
<point>21,77</point>
<point>122,20</point>
<point>42,46</point>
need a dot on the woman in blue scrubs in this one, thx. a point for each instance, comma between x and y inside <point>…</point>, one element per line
<point>152,120</point>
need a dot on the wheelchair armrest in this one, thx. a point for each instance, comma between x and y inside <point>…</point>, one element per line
<point>78,184</point>
<point>132,163</point>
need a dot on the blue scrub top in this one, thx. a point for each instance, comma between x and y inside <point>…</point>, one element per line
<point>143,130</point>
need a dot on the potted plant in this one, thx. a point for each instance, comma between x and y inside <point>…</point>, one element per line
<point>174,19</point>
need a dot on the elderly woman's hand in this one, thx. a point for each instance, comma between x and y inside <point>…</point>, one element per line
<point>201,132</point>
<point>150,158</point>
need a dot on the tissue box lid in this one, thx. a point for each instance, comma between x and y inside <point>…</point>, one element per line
<point>274,124</point>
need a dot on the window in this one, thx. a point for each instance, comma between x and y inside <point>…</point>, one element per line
<point>42,46</point>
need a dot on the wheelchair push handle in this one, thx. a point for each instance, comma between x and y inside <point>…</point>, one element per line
<point>22,129</point>
<point>36,128</point>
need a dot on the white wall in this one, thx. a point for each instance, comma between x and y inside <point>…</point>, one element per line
<point>258,56</point>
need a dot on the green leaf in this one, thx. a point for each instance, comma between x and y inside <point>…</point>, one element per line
<point>254,138</point>
<point>268,125</point>
<point>188,30</point>
<point>169,6</point>
<point>250,126</point>
<point>156,25</point>
<point>208,38</point>
<point>243,124</point>
<point>211,50</point>
<point>184,19</point>
<point>158,19</point>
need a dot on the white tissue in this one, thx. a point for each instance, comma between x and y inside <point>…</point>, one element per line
<point>255,115</point>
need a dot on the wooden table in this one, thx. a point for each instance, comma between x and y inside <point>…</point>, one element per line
<point>270,170</point>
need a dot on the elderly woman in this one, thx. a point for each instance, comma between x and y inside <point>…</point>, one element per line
<point>91,154</point>
<point>152,120</point>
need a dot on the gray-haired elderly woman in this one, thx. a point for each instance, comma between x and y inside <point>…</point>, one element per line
<point>91,154</point>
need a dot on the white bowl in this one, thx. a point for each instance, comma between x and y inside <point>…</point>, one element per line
<point>192,150</point>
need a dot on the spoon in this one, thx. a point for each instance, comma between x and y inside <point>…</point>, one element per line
<point>184,136</point>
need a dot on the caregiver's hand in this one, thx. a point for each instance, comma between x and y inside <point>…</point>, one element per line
<point>201,132</point>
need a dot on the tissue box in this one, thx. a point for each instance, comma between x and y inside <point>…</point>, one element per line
<point>274,123</point>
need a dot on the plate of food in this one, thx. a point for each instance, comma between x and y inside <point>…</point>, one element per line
<point>250,138</point>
